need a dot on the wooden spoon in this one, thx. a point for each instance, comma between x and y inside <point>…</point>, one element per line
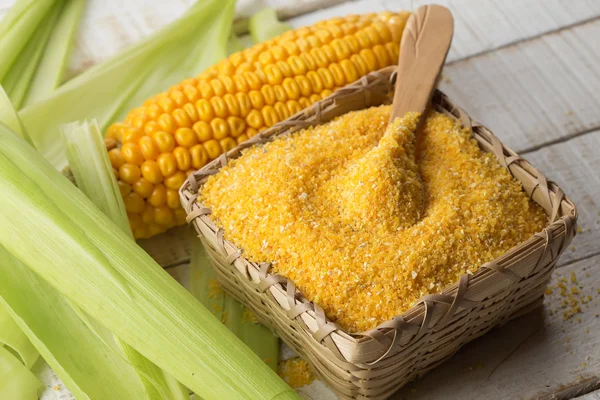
<point>423,49</point>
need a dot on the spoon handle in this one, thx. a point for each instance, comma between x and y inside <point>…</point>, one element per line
<point>423,49</point>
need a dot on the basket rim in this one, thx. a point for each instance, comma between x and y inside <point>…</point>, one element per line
<point>416,320</point>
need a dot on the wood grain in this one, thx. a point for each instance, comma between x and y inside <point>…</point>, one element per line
<point>423,49</point>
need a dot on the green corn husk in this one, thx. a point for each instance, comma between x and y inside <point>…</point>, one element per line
<point>108,91</point>
<point>239,319</point>
<point>264,25</point>
<point>91,168</point>
<point>53,229</point>
<point>14,340</point>
<point>17,383</point>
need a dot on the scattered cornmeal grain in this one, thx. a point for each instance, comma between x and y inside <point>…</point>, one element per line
<point>295,372</point>
<point>356,245</point>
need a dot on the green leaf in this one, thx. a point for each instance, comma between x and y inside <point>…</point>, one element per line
<point>50,70</point>
<point>18,79</point>
<point>88,366</point>
<point>9,117</point>
<point>15,340</point>
<point>16,381</point>
<point>74,245</point>
<point>17,27</point>
<point>91,167</point>
<point>264,25</point>
<point>108,91</point>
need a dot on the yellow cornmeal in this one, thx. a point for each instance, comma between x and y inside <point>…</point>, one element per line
<point>337,209</point>
<point>295,372</point>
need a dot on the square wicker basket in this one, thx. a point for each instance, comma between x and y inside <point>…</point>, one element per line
<point>376,363</point>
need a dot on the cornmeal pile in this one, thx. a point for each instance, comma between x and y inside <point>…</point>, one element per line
<point>366,218</point>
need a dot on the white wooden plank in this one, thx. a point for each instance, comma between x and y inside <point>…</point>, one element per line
<point>575,166</point>
<point>480,25</point>
<point>590,396</point>
<point>536,356</point>
<point>533,92</point>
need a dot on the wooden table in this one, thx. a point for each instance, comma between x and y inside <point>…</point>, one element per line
<point>529,70</point>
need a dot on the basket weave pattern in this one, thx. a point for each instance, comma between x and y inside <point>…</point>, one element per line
<point>376,363</point>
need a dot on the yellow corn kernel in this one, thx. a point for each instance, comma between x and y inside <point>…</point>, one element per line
<point>232,105</point>
<point>268,94</point>
<point>205,110</point>
<point>251,132</point>
<point>164,141</point>
<point>213,148</point>
<point>116,158</point>
<point>180,216</point>
<point>227,144</point>
<point>203,131</point>
<point>167,105</point>
<point>151,127</point>
<point>291,48</point>
<point>253,80</point>
<point>341,49</point>
<point>115,131</point>
<point>374,37</point>
<point>281,110</point>
<point>173,199</point>
<point>304,102</point>
<point>132,154</point>
<point>280,94</point>
<point>293,106</point>
<point>285,69</point>
<point>370,59</point>
<point>326,78</point>
<point>348,29</point>
<point>316,85</point>
<point>183,158</point>
<point>124,188</point>
<point>324,35</point>
<point>237,126</point>
<point>240,83</point>
<point>363,39</point>
<point>254,119</point>
<point>292,90</point>
<point>154,229</point>
<point>349,70</point>
<point>219,106</point>
<point>178,97</point>
<point>148,148</point>
<point>228,84</point>
<point>186,137</point>
<point>269,115</point>
<point>167,164</point>
<point>393,50</point>
<point>199,156</point>
<point>383,31</point>
<point>134,203</point>
<point>163,215</point>
<point>304,85</point>
<point>132,135</point>
<point>218,87</point>
<point>297,65</point>
<point>167,123</point>
<point>181,118</point>
<point>135,220</point>
<point>382,55</point>
<point>148,214</point>
<point>320,58</point>
<point>326,93</point>
<point>359,64</point>
<point>219,128</point>
<point>176,180</point>
<point>256,99</point>
<point>308,61</point>
<point>129,173</point>
<point>158,197</point>
<point>241,139</point>
<point>191,112</point>
<point>314,98</point>
<point>143,188</point>
<point>151,172</point>
<point>244,102</point>
<point>337,73</point>
<point>192,93</point>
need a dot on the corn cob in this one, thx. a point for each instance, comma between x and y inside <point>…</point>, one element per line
<point>179,131</point>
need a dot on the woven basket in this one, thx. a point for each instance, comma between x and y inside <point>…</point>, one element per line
<point>376,363</point>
